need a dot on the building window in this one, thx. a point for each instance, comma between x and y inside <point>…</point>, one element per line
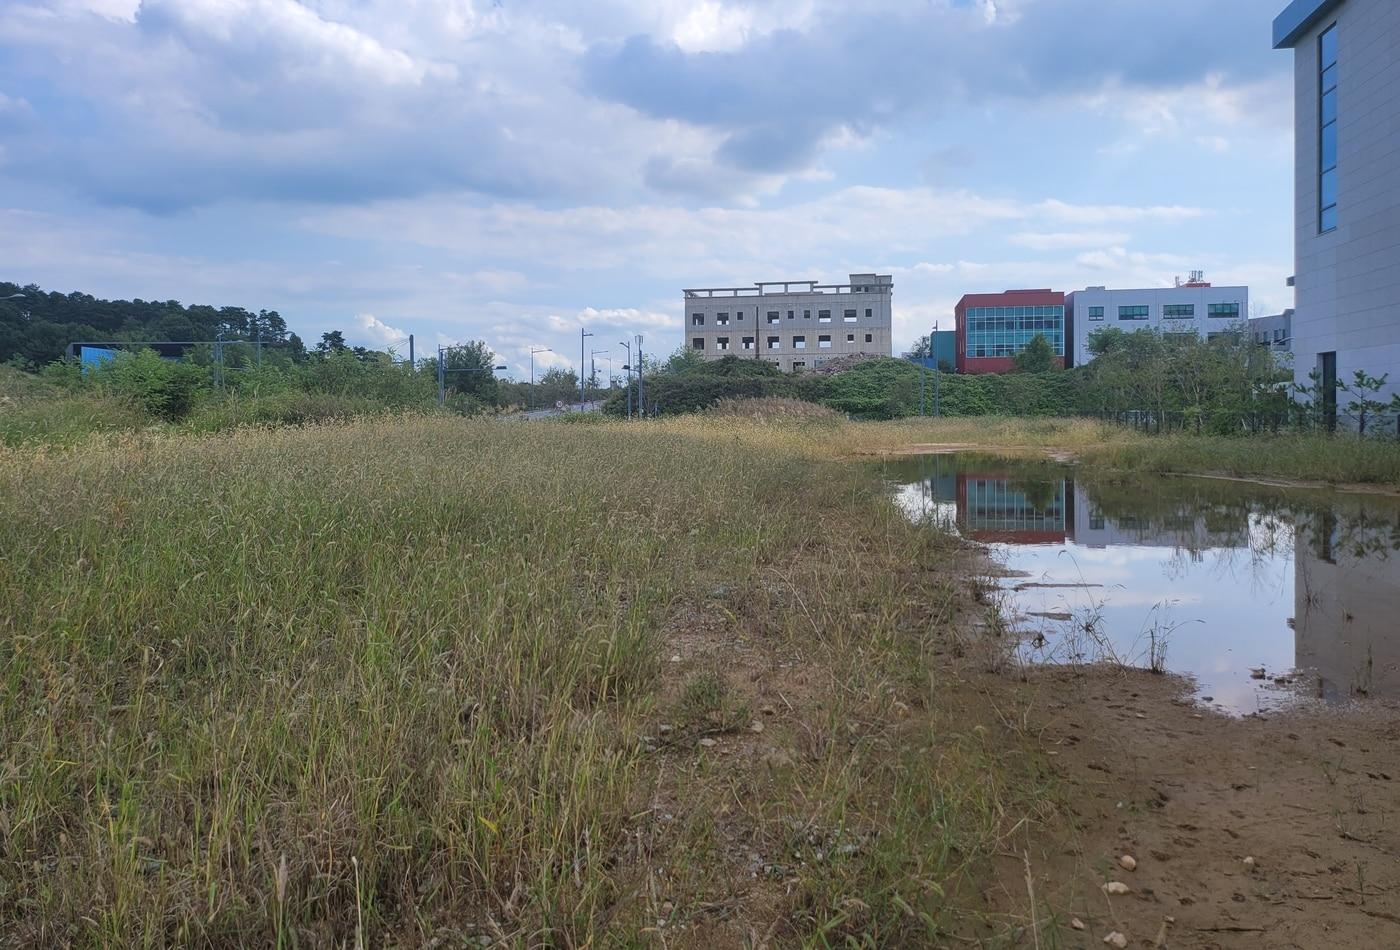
<point>1327,144</point>
<point>824,341</point>
<point>798,364</point>
<point>799,343</point>
<point>1229,310</point>
<point>740,315</point>
<point>772,316</point>
<point>823,316</point>
<point>791,314</point>
<point>850,337</point>
<point>1179,311</point>
<point>722,343</point>
<point>698,342</point>
<point>850,316</point>
<point>869,314</point>
<point>1134,313</point>
<point>1005,331</point>
<point>870,338</point>
<point>748,342</point>
<point>772,343</point>
<point>1096,313</point>
<point>721,319</point>
<point>697,319</point>
<point>806,315</point>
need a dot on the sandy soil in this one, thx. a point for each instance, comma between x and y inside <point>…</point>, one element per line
<point>1268,831</point>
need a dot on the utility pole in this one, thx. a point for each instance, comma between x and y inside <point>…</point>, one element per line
<point>628,368</point>
<point>442,379</point>
<point>937,372</point>
<point>412,363</point>
<point>582,358</point>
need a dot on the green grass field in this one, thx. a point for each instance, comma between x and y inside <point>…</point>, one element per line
<point>403,680</point>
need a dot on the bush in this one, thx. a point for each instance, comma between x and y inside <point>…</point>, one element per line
<point>164,389</point>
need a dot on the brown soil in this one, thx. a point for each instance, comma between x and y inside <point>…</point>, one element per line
<point>1312,796</point>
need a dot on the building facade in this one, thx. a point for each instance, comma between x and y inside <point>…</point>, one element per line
<point>1195,307</point>
<point>994,328</point>
<point>1275,332</point>
<point>1346,57</point>
<point>795,325</point>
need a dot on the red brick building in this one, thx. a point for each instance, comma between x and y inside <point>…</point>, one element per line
<point>994,328</point>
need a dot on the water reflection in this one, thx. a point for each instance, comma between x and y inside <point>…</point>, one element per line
<point>1238,585</point>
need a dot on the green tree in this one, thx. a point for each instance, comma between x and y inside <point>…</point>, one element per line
<point>684,359</point>
<point>1038,356</point>
<point>469,371</point>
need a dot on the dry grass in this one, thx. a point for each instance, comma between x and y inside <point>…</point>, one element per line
<point>383,682</point>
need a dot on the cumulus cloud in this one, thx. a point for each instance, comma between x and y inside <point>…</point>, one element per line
<point>378,333</point>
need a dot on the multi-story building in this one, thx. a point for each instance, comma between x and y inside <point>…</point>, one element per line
<point>1346,56</point>
<point>994,328</point>
<point>1275,331</point>
<point>1192,307</point>
<point>794,325</point>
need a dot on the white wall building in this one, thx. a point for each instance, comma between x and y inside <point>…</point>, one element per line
<point>1347,189</point>
<point>794,325</point>
<point>1196,307</point>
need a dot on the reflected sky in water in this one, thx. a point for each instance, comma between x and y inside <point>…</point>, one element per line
<point>1218,580</point>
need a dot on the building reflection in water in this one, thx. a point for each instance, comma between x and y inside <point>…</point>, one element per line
<point>1231,552</point>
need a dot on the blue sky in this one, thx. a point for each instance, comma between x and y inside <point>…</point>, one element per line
<point>515,170</point>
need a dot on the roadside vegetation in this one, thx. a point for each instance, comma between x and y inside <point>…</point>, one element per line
<point>433,679</point>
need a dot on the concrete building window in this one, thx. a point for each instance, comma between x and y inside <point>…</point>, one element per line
<point>697,319</point>
<point>772,316</point>
<point>850,337</point>
<point>824,341</point>
<point>1228,310</point>
<point>748,342</point>
<point>869,314</point>
<point>740,315</point>
<point>850,316</point>
<point>721,319</point>
<point>870,338</point>
<point>823,316</point>
<point>698,342</point>
<point>799,343</point>
<point>806,315</point>
<point>772,343</point>
<point>1134,313</point>
<point>1096,313</point>
<point>791,314</point>
<point>1327,144</point>
<point>798,364</point>
<point>1179,311</point>
<point>722,343</point>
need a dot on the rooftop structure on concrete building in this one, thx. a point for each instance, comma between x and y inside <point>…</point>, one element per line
<point>793,324</point>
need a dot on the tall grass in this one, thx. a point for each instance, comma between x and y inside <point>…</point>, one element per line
<point>382,682</point>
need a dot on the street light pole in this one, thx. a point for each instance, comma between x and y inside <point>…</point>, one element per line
<point>443,370</point>
<point>582,349</point>
<point>628,368</point>
<point>593,357</point>
<point>937,372</point>
<point>533,351</point>
<point>641,392</point>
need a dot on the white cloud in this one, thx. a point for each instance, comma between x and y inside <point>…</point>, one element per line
<point>378,333</point>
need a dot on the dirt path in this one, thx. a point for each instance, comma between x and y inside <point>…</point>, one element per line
<point>1277,831</point>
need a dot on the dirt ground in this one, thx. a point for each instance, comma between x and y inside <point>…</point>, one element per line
<point>1277,831</point>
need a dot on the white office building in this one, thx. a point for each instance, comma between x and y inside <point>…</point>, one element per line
<point>1346,57</point>
<point>1193,307</point>
<point>795,325</point>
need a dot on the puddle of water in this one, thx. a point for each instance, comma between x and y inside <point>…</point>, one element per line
<point>1216,580</point>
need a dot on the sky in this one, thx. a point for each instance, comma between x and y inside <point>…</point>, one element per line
<point>515,171</point>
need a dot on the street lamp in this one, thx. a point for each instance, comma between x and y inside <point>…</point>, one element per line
<point>593,357</point>
<point>627,367</point>
<point>533,351</point>
<point>582,348</point>
<point>443,370</point>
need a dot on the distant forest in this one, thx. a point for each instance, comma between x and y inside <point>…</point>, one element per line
<point>35,329</point>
